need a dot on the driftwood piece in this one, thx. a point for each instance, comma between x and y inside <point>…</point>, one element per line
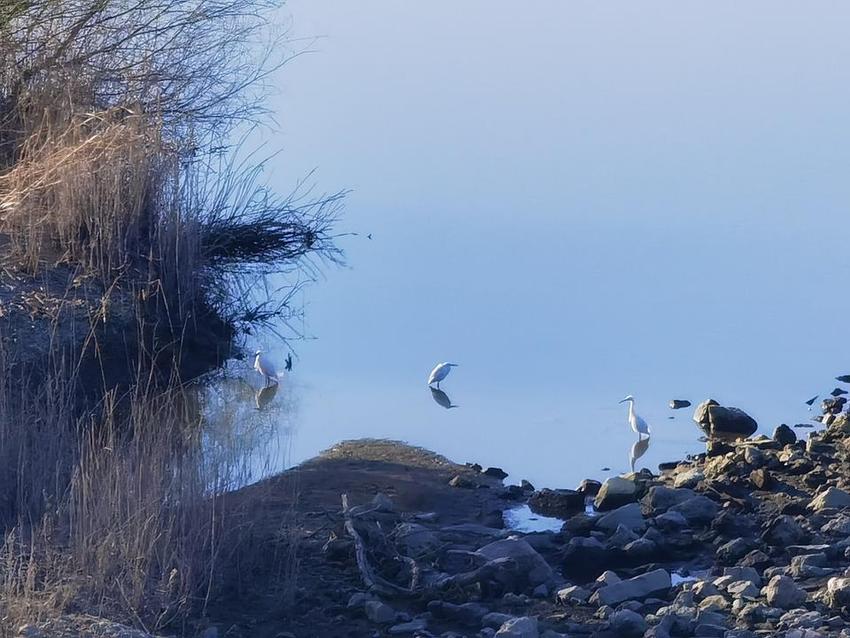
<point>372,580</point>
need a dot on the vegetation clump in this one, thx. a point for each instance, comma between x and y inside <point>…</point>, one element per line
<point>133,255</point>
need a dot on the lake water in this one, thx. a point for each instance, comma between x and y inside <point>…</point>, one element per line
<point>574,203</point>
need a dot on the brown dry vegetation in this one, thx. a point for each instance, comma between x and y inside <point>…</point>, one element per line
<point>132,253</point>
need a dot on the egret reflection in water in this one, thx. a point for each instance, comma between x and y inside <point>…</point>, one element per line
<point>638,450</point>
<point>265,395</point>
<point>441,398</point>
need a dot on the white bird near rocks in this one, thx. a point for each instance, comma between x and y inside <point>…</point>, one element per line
<point>638,424</point>
<point>265,367</point>
<point>440,372</point>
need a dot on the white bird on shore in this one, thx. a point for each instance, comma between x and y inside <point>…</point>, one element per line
<point>265,367</point>
<point>638,424</point>
<point>440,372</point>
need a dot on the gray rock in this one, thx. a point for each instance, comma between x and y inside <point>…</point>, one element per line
<point>784,593</point>
<point>574,593</point>
<point>412,627</point>
<point>697,510</point>
<point>496,472</point>
<point>621,537</point>
<point>716,420</point>
<point>678,404</point>
<point>522,627</point>
<point>589,487</point>
<point>805,620</point>
<point>584,556</point>
<point>810,566</point>
<point>654,582</point>
<point>707,630</point>
<point>784,531</point>
<point>838,592</point>
<point>839,526</point>
<point>689,478</point>
<point>556,503</point>
<point>703,589</point>
<point>627,623</point>
<point>784,435</point>
<point>379,612</point>
<point>628,516</point>
<point>754,456</point>
<point>671,521</point>
<point>532,567</point>
<point>831,498</point>
<point>734,549</point>
<point>608,577</point>
<point>743,573</point>
<point>616,491</point>
<point>714,603</point>
<point>659,499</point>
<point>641,549</point>
<point>743,589</point>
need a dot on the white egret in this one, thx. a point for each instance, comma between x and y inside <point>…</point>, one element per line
<point>638,424</point>
<point>440,372</point>
<point>265,367</point>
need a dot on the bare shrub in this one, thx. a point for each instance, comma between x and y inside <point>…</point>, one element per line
<point>115,117</point>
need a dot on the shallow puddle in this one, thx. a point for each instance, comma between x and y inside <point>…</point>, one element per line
<point>522,519</point>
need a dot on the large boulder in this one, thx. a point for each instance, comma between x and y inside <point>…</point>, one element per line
<point>586,556</point>
<point>629,516</point>
<point>838,592</point>
<point>532,568</point>
<point>697,510</point>
<point>627,623</point>
<point>659,499</point>
<point>648,584</point>
<point>616,491</point>
<point>784,593</point>
<point>831,498</point>
<point>717,420</point>
<point>556,503</point>
<point>783,531</point>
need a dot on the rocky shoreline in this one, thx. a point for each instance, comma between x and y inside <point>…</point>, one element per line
<point>751,538</point>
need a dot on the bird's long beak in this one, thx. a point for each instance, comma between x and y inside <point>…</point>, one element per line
<point>623,401</point>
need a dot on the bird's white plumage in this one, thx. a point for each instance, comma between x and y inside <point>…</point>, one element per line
<point>440,372</point>
<point>264,366</point>
<point>635,420</point>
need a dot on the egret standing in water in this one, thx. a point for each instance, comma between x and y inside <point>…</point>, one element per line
<point>638,424</point>
<point>265,367</point>
<point>440,372</point>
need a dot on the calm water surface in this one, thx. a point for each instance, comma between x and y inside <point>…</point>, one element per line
<point>574,203</point>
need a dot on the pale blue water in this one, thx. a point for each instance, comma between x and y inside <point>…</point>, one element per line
<point>575,202</point>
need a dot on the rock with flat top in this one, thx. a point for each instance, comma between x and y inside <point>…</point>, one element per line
<point>652,583</point>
